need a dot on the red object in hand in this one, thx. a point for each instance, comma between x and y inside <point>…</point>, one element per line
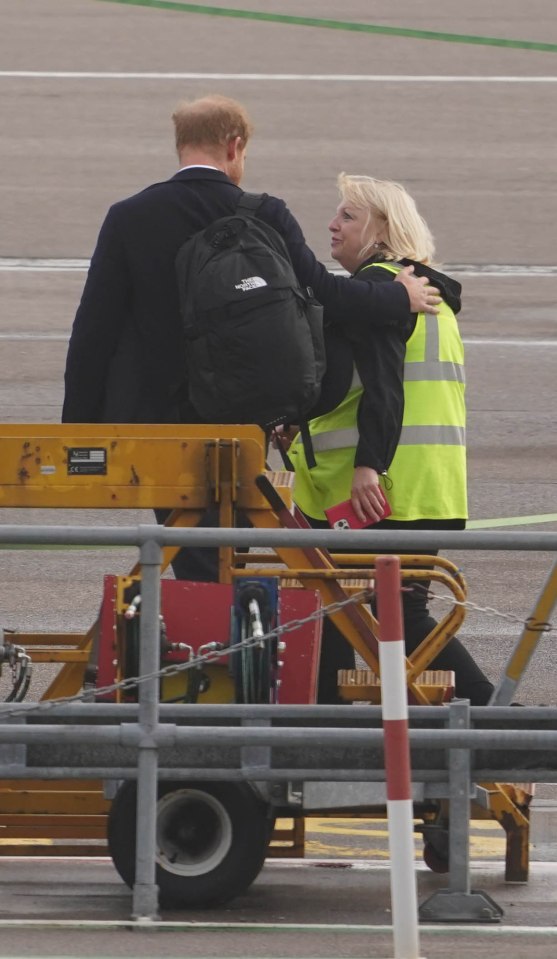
<point>342,516</point>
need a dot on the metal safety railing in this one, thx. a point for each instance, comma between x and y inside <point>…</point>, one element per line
<point>148,730</point>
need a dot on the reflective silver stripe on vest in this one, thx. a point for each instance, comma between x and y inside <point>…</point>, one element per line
<point>431,368</point>
<point>434,370</point>
<point>410,436</point>
<point>335,439</point>
<point>432,436</point>
<point>431,338</point>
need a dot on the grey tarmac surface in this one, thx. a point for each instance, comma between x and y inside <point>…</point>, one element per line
<point>479,157</point>
<point>322,908</point>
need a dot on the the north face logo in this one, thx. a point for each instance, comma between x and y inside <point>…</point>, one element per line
<point>250,283</point>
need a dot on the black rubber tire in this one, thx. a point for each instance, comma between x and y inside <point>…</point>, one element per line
<point>435,860</point>
<point>212,840</point>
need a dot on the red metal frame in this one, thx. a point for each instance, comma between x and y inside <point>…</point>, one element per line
<point>198,613</point>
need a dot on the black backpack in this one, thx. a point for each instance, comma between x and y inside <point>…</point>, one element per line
<point>253,337</point>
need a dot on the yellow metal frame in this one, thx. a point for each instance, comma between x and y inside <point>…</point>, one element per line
<point>172,466</point>
<point>187,468</point>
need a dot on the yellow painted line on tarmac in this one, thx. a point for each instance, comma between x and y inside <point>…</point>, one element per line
<point>479,849</point>
<point>487,839</point>
<point>359,827</point>
<point>26,842</point>
<point>511,521</point>
<point>487,847</point>
<point>326,827</point>
<point>315,848</point>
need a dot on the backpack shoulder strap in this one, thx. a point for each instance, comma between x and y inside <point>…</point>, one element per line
<point>249,203</point>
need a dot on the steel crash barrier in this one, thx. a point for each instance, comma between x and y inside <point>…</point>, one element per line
<point>182,724</point>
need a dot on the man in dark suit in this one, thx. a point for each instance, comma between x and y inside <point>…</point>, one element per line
<point>124,362</point>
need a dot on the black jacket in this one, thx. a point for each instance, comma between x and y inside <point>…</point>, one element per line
<point>379,358</point>
<point>125,361</point>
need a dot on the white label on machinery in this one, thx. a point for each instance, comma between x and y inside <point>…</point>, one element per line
<point>87,461</point>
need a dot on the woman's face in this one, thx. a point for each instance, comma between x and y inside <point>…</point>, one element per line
<point>349,234</point>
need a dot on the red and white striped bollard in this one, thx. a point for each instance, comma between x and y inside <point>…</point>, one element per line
<point>394,703</point>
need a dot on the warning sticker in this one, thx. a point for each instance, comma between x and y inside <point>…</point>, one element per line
<point>87,461</point>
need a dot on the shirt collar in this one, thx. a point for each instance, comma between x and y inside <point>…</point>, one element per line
<point>199,166</point>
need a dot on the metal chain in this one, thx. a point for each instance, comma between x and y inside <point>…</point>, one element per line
<point>529,623</point>
<point>211,656</point>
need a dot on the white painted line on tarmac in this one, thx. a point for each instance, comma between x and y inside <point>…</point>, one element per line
<point>257,77</point>
<point>32,264</point>
<point>493,931</point>
<point>32,337</point>
<point>472,341</point>
<point>75,264</point>
<point>480,269</point>
<point>507,341</point>
<point>511,271</point>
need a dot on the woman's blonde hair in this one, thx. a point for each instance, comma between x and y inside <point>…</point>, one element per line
<point>406,233</point>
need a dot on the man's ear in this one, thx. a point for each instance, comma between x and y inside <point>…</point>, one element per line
<point>233,148</point>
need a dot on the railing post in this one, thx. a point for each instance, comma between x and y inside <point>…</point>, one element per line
<point>459,903</point>
<point>145,890</point>
<point>459,803</point>
<point>394,704</point>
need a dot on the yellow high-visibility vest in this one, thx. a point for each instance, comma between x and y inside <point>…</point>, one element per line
<point>427,477</point>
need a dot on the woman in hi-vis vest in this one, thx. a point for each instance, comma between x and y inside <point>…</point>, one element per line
<point>391,419</point>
